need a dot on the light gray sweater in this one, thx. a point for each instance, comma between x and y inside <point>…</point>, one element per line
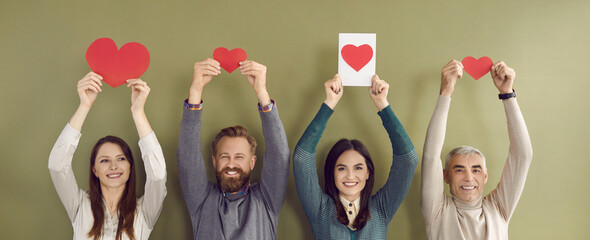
<point>250,216</point>
<point>487,218</point>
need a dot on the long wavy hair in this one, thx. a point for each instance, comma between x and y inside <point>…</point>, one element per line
<point>340,147</point>
<point>128,202</point>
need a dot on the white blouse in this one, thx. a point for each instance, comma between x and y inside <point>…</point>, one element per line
<point>351,208</point>
<point>77,201</point>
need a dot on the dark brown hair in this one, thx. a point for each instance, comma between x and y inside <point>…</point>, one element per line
<point>340,147</point>
<point>235,131</point>
<point>127,203</point>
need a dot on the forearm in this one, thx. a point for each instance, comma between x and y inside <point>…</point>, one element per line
<point>400,141</point>
<point>275,172</point>
<point>432,185</point>
<point>263,96</point>
<point>520,141</point>
<point>79,117</point>
<point>403,166</point>
<point>141,123</point>
<point>191,168</point>
<point>60,169</point>
<point>311,137</point>
<point>519,158</point>
<point>155,184</point>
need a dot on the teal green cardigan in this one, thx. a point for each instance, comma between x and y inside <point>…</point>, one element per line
<point>319,206</point>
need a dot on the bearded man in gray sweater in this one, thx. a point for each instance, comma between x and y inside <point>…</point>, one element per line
<point>233,208</point>
<point>467,214</point>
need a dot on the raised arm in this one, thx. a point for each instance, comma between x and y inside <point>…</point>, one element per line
<point>304,162</point>
<point>275,172</point>
<point>151,153</point>
<point>191,168</point>
<point>520,153</point>
<point>405,160</point>
<point>432,186</point>
<point>60,158</point>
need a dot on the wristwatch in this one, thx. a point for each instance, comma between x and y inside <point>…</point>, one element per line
<point>503,96</point>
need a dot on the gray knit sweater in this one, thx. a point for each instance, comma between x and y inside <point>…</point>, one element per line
<point>251,216</point>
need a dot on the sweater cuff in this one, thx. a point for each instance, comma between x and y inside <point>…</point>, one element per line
<point>193,107</point>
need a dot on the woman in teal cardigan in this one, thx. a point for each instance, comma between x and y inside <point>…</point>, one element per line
<point>346,210</point>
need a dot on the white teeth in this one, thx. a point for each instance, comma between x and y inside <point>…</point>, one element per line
<point>114,175</point>
<point>468,188</point>
<point>349,184</point>
<point>231,173</point>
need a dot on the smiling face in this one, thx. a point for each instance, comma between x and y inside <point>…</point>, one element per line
<point>233,162</point>
<point>350,174</point>
<point>466,176</point>
<point>111,166</point>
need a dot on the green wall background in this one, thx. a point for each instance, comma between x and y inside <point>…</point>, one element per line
<point>43,44</point>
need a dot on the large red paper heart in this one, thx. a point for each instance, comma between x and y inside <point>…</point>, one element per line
<point>229,60</point>
<point>117,65</point>
<point>357,57</point>
<point>477,68</point>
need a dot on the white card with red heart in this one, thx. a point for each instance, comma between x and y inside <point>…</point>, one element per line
<point>356,58</point>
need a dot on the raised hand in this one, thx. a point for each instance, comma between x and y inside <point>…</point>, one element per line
<point>378,92</point>
<point>139,93</point>
<point>203,73</point>
<point>256,75</point>
<point>334,91</point>
<point>449,75</point>
<point>503,77</point>
<point>88,88</point>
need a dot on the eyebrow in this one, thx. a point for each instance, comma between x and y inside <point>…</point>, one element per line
<point>237,154</point>
<point>461,166</point>
<point>342,165</point>
<point>109,156</point>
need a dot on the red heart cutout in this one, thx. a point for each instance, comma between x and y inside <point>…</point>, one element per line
<point>477,68</point>
<point>117,65</point>
<point>357,57</point>
<point>229,60</point>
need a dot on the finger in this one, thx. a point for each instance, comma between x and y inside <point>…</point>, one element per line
<point>384,87</point>
<point>372,91</point>
<point>92,87</point>
<point>374,79</point>
<point>207,65</point>
<point>212,62</point>
<point>94,79</point>
<point>493,72</point>
<point>245,63</point>
<point>212,69</point>
<point>380,86</point>
<point>334,88</point>
<point>498,64</point>
<point>90,74</point>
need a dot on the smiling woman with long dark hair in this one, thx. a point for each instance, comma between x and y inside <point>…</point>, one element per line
<point>346,210</point>
<point>110,209</point>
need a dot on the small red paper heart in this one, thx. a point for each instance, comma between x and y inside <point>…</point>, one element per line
<point>229,60</point>
<point>357,57</point>
<point>117,65</point>
<point>477,68</point>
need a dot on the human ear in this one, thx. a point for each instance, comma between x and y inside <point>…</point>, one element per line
<point>446,176</point>
<point>252,162</point>
<point>213,160</point>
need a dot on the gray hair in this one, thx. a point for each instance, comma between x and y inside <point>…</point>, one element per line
<point>463,151</point>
